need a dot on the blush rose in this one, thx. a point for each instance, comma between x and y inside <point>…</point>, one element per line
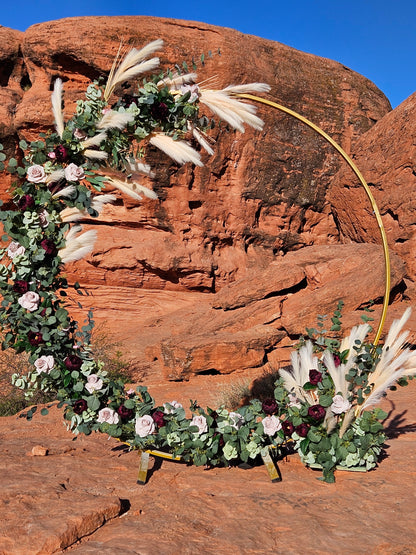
<point>29,301</point>
<point>145,425</point>
<point>271,425</point>
<point>108,415</point>
<point>36,174</point>
<point>44,363</point>
<point>74,173</point>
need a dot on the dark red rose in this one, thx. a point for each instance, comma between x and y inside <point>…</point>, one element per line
<point>20,286</point>
<point>25,202</point>
<point>35,338</point>
<point>125,413</point>
<point>315,376</point>
<point>337,361</point>
<point>49,247</point>
<point>128,99</point>
<point>43,312</point>
<point>80,406</point>
<point>287,427</point>
<point>269,406</point>
<point>159,418</point>
<point>61,154</point>
<point>72,362</point>
<point>302,430</point>
<point>317,412</point>
<point>159,110</point>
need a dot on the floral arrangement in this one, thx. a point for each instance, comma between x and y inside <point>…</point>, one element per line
<point>319,406</point>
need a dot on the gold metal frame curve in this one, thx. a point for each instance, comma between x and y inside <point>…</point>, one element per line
<point>363,183</point>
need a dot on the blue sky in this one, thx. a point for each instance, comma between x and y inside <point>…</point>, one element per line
<point>374,38</point>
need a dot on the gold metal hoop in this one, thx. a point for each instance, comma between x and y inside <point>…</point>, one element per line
<point>363,183</point>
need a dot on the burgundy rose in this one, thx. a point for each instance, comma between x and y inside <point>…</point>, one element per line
<point>49,247</point>
<point>43,312</point>
<point>315,376</point>
<point>35,338</point>
<point>61,154</point>
<point>20,286</point>
<point>269,406</point>
<point>25,202</point>
<point>80,406</point>
<point>128,99</point>
<point>159,110</point>
<point>159,418</point>
<point>287,427</point>
<point>72,362</point>
<point>317,412</point>
<point>337,361</point>
<point>302,430</point>
<point>125,413</point>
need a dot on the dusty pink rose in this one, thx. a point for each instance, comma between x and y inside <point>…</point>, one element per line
<point>94,383</point>
<point>145,425</point>
<point>74,172</point>
<point>339,404</point>
<point>271,425</point>
<point>108,415</point>
<point>236,420</point>
<point>200,422</point>
<point>193,89</point>
<point>43,218</point>
<point>14,249</point>
<point>29,300</point>
<point>44,364</point>
<point>294,401</point>
<point>79,134</point>
<point>174,405</point>
<point>36,174</point>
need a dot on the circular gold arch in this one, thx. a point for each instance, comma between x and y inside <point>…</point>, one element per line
<point>363,183</point>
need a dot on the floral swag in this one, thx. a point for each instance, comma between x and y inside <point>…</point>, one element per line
<point>321,405</point>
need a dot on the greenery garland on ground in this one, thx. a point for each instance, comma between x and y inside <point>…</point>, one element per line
<point>318,406</point>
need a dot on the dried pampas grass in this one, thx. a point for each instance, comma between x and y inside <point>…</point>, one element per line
<point>77,246</point>
<point>132,189</point>
<point>56,99</point>
<point>231,110</point>
<point>180,151</point>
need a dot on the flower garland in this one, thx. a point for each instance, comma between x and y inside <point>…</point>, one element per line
<point>318,406</point>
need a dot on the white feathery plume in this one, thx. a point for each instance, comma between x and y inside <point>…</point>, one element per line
<point>248,88</point>
<point>77,246</point>
<point>132,189</point>
<point>66,192</point>
<point>95,154</point>
<point>339,373</point>
<point>131,66</point>
<point>200,138</point>
<point>302,360</point>
<point>231,110</point>
<point>395,362</point>
<point>96,140</point>
<point>180,151</point>
<point>134,166</point>
<point>56,99</point>
<point>55,176</point>
<point>115,120</point>
<point>177,80</point>
<point>72,214</point>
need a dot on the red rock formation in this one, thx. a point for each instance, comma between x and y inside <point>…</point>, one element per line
<point>386,155</point>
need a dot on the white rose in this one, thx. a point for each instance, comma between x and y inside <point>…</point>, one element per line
<point>108,415</point>
<point>94,383</point>
<point>14,249</point>
<point>36,174</point>
<point>44,364</point>
<point>271,425</point>
<point>200,422</point>
<point>29,300</point>
<point>74,173</point>
<point>339,404</point>
<point>145,425</point>
<point>169,408</point>
<point>236,420</point>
